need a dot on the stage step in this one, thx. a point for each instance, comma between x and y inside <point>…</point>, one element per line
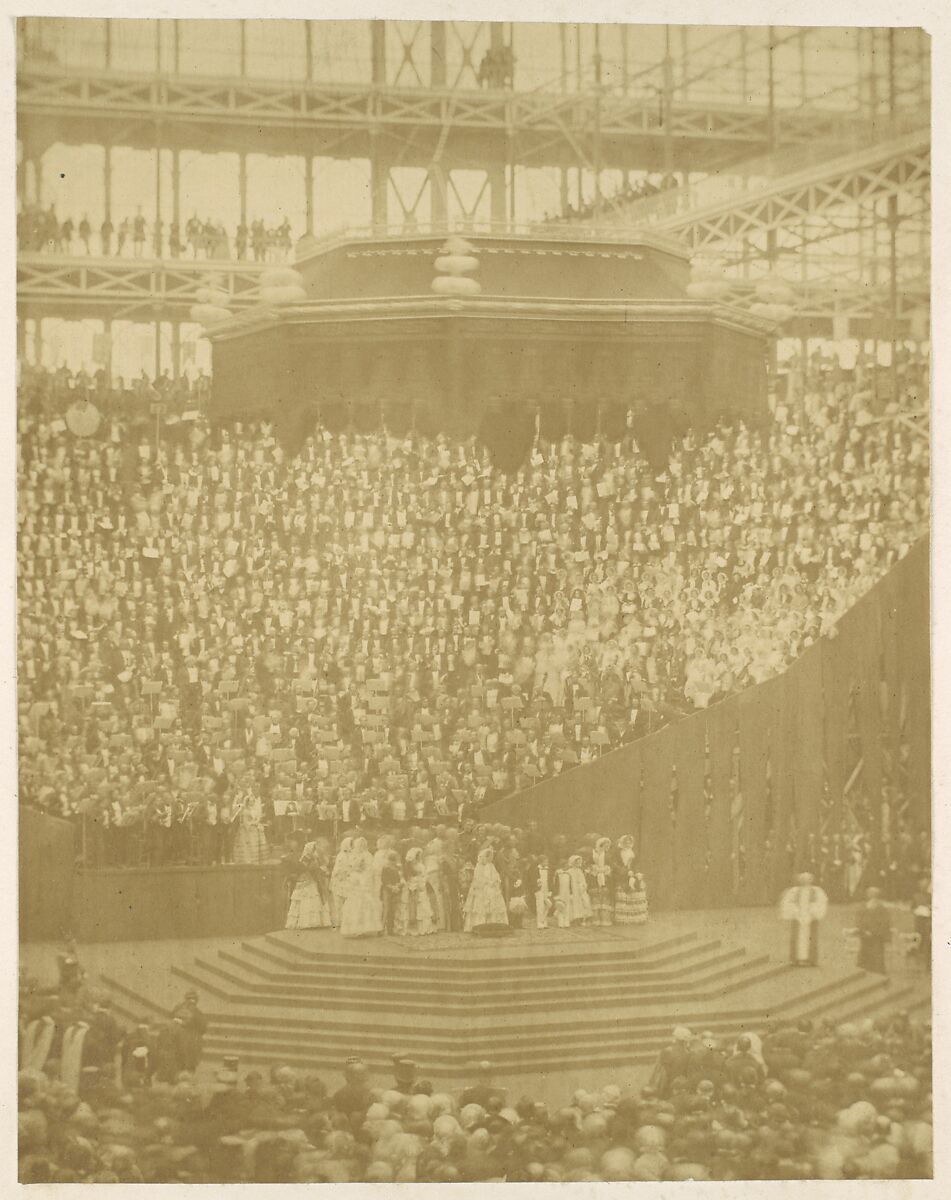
<point>669,964</point>
<point>530,1007</point>
<point>226,983</point>
<point>624,975</point>
<point>598,1053</point>
<point>504,959</point>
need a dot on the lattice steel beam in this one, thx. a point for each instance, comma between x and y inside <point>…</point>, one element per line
<point>545,128</point>
<point>887,170</point>
<point>77,288</point>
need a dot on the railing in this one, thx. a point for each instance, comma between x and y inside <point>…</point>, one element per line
<point>473,227</point>
<point>742,177</point>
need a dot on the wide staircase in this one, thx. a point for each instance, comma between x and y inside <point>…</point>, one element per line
<point>573,1002</point>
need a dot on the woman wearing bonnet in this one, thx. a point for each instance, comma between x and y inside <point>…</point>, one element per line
<point>601,883</point>
<point>414,913</point>
<point>625,861</point>
<point>485,904</point>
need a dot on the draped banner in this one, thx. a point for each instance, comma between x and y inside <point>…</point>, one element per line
<point>729,802</point>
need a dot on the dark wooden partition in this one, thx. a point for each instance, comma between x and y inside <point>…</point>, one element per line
<point>727,803</point>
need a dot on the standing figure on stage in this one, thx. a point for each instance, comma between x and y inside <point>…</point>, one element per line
<point>804,906</point>
<point>391,885</point>
<point>600,885</point>
<point>250,843</point>
<point>452,887</point>
<point>414,914</point>
<point>541,879</point>
<point>562,900</point>
<point>432,861</point>
<point>194,1024</point>
<point>362,913</point>
<point>340,879</point>
<point>485,904</point>
<point>579,909</point>
<point>640,899</point>
<point>310,900</point>
<point>625,872</point>
<point>875,930</point>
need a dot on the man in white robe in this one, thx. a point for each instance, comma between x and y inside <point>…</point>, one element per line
<point>804,906</point>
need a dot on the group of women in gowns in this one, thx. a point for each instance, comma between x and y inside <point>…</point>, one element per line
<point>364,893</point>
<point>607,889</point>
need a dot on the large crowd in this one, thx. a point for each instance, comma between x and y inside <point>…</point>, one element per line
<point>392,622</point>
<point>100,1103</point>
<point>42,231</point>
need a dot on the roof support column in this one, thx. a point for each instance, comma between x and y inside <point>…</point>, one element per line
<point>309,194</point>
<point>379,182</point>
<point>438,195</point>
<point>497,190</point>
<point>107,182</point>
<point>437,53</point>
<point>378,52</point>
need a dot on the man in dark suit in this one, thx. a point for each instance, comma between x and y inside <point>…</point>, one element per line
<point>194,1024</point>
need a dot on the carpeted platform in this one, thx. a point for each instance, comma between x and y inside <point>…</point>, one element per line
<point>545,1007</point>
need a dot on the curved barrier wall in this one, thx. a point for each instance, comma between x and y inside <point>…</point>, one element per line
<point>728,802</point>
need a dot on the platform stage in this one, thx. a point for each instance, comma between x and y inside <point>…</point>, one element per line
<point>581,332</point>
<point>556,1005</point>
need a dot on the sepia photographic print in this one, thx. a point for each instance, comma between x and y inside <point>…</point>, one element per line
<point>473,650</point>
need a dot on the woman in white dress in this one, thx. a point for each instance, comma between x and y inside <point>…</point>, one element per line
<point>432,863</point>
<point>485,904</point>
<point>362,913</point>
<point>310,900</point>
<point>250,843</point>
<point>414,912</point>
<point>340,879</point>
<point>579,904</point>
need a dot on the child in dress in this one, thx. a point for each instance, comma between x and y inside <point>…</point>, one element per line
<point>518,904</point>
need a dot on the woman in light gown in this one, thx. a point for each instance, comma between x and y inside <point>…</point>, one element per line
<point>432,863</point>
<point>340,879</point>
<point>579,904</point>
<point>600,888</point>
<point>625,870</point>
<point>250,843</point>
<point>414,913</point>
<point>310,900</point>
<point>362,913</point>
<point>485,904</point>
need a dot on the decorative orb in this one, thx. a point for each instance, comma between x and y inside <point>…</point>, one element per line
<point>456,285</point>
